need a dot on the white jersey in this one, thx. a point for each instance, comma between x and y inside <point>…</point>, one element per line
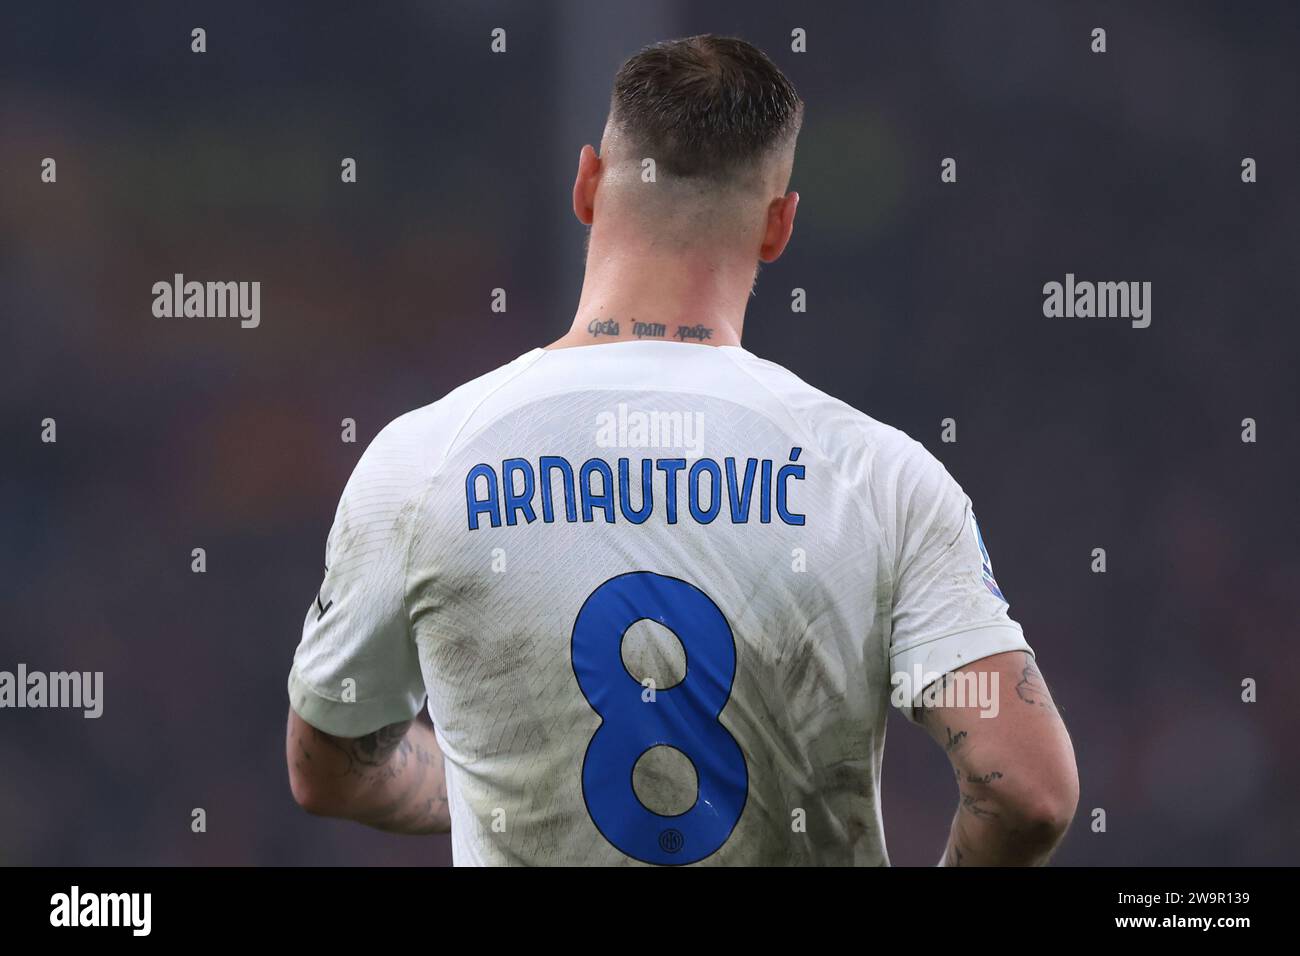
<point>654,593</point>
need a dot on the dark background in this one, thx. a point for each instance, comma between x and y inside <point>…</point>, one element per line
<point>924,299</point>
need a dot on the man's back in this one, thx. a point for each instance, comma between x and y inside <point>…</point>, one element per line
<point>655,592</point>
<point>659,593</point>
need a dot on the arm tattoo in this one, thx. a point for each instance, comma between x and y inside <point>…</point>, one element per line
<point>373,750</point>
<point>395,758</point>
<point>933,696</point>
<point>971,804</point>
<point>1032,689</point>
<point>377,755</point>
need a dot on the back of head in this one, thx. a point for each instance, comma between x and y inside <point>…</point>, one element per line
<point>715,115</point>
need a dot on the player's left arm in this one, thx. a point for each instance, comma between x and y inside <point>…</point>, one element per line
<point>968,676</point>
<point>1017,782</point>
<point>392,779</point>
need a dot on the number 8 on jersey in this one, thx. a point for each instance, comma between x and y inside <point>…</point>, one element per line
<point>684,717</point>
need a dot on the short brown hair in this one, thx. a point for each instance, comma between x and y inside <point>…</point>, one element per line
<point>704,106</point>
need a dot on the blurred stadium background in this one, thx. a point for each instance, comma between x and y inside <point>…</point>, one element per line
<point>924,303</point>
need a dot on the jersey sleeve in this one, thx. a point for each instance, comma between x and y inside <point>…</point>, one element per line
<point>948,610</point>
<point>357,668</point>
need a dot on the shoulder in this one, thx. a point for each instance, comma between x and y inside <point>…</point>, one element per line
<point>424,435</point>
<point>412,446</point>
<point>861,446</point>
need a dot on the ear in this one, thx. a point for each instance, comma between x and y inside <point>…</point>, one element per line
<point>780,225</point>
<point>584,185</point>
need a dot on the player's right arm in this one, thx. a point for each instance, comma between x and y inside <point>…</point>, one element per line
<point>1017,785</point>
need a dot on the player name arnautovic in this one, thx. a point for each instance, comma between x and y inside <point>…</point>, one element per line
<point>520,491</point>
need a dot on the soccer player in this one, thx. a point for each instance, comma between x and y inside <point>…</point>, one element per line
<point>658,592</point>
